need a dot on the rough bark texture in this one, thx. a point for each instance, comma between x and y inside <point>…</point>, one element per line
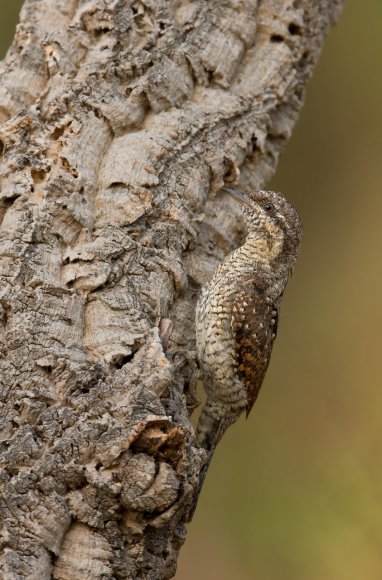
<point>120,120</point>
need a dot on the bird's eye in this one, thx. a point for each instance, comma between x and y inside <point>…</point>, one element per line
<point>269,207</point>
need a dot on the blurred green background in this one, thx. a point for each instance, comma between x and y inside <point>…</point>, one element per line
<point>295,492</point>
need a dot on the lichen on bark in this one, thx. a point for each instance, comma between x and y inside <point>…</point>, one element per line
<point>120,121</point>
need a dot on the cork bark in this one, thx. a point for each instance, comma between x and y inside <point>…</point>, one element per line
<point>120,121</point>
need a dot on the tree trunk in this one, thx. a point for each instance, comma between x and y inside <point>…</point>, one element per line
<point>120,120</point>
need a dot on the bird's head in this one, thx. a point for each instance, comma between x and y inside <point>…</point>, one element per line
<point>272,219</point>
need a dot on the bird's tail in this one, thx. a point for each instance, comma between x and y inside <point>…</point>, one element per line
<point>213,423</point>
<point>210,427</point>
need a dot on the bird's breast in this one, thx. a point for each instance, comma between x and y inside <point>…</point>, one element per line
<point>213,331</point>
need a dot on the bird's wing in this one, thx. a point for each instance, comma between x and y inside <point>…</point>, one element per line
<point>254,328</point>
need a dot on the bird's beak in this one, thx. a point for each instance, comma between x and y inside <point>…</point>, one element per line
<point>239,196</point>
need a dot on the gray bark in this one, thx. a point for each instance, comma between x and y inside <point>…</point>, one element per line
<point>120,120</point>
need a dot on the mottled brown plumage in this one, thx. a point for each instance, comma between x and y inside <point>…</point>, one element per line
<point>237,312</point>
<point>254,328</point>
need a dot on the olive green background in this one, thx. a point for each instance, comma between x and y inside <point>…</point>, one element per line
<point>295,492</point>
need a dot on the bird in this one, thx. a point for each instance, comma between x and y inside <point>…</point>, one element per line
<point>237,313</point>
